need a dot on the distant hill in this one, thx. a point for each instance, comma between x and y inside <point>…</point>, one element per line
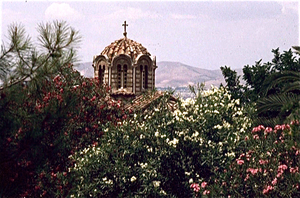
<point>173,74</point>
<point>176,74</point>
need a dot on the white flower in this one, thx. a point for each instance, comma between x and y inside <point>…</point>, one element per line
<point>195,134</point>
<point>191,180</point>
<point>143,165</point>
<point>156,183</point>
<point>187,173</point>
<point>109,182</point>
<point>150,149</point>
<point>216,111</point>
<point>230,154</point>
<point>133,178</point>
<point>173,142</point>
<point>142,136</point>
<point>218,127</point>
<point>163,192</point>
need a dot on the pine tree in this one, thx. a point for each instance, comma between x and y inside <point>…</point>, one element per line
<point>26,72</point>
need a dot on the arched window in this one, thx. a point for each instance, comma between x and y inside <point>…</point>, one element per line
<point>144,76</point>
<point>119,71</point>
<point>124,76</point>
<point>101,73</point>
<point>141,77</point>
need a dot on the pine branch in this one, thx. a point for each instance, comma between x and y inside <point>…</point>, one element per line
<point>54,38</point>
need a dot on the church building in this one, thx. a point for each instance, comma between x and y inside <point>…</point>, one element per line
<point>127,67</point>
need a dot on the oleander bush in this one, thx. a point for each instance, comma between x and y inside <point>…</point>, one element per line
<point>162,154</point>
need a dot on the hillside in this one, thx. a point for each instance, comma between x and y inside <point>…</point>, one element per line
<point>173,74</point>
<point>176,74</point>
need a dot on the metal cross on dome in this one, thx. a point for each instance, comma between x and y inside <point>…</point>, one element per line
<point>125,33</point>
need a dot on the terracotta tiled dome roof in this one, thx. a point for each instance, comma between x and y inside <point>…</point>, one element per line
<point>124,46</point>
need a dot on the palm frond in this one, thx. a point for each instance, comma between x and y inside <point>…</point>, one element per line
<point>267,121</point>
<point>276,102</point>
<point>285,76</point>
<point>292,87</point>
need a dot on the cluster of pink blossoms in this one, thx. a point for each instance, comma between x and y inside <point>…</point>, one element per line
<point>268,130</point>
<point>240,161</point>
<point>281,169</point>
<point>258,129</point>
<point>267,189</point>
<point>196,187</point>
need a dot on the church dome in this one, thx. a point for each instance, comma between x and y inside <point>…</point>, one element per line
<point>124,46</point>
<point>126,66</point>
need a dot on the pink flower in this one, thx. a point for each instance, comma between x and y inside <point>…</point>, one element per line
<point>286,126</point>
<point>266,190</point>
<point>256,137</point>
<point>294,170</point>
<point>239,161</point>
<point>247,177</point>
<point>206,192</point>
<point>252,170</point>
<point>242,155</point>
<point>268,130</point>
<point>278,127</point>
<point>282,167</point>
<point>295,122</point>
<point>195,187</point>
<point>274,182</point>
<point>263,162</point>
<point>203,184</point>
<point>257,129</point>
<point>93,98</point>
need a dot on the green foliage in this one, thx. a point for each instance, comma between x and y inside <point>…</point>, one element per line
<point>275,82</point>
<point>286,102</point>
<point>48,117</point>
<point>233,83</point>
<point>23,61</point>
<point>162,153</point>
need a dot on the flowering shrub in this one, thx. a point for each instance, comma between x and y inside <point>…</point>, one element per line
<point>40,129</point>
<point>164,153</point>
<point>268,166</point>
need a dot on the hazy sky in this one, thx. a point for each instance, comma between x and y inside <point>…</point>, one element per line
<point>205,34</point>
